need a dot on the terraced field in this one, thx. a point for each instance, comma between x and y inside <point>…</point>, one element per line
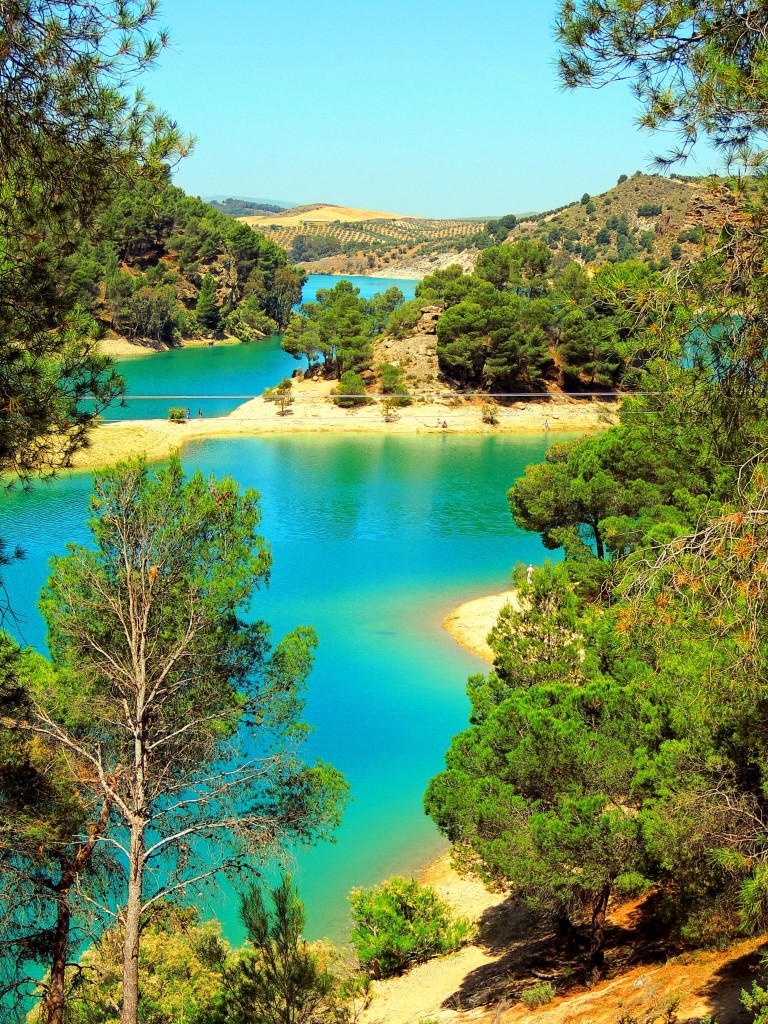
<point>373,238</point>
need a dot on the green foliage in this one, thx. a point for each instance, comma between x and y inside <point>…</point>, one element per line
<point>540,790</point>
<point>540,994</point>
<point>172,562</point>
<point>403,320</point>
<point>401,923</point>
<point>392,384</point>
<point>535,639</point>
<point>697,70</point>
<point>245,208</point>
<point>381,307</point>
<point>339,326</point>
<point>249,322</point>
<point>177,415</point>
<point>283,980</point>
<point>349,393</point>
<point>755,1001</point>
<point>490,413</point>
<point>306,248</point>
<point>207,306</point>
<point>281,395</point>
<point>389,409</point>
<point>157,246</point>
<point>648,210</point>
<point>496,339</point>
<point>617,745</point>
<point>70,135</point>
<point>182,965</point>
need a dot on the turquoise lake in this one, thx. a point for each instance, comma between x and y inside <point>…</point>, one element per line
<point>195,377</point>
<point>374,540</point>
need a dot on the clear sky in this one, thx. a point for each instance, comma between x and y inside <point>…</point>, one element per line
<point>421,108</point>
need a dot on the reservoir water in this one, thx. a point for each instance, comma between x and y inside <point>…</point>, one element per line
<point>220,370</point>
<point>374,539</point>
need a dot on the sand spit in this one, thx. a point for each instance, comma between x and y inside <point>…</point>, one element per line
<point>312,412</point>
<point>471,622</point>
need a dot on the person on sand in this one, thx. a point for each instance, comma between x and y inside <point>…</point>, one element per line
<point>445,425</point>
<point>546,424</point>
<point>189,413</point>
<point>529,575</point>
<point>199,413</point>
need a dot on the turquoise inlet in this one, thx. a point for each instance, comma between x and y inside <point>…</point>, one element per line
<point>216,379</point>
<point>374,540</point>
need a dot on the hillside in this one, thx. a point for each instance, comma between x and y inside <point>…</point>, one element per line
<point>165,267</point>
<point>318,213</point>
<point>343,240</point>
<point>648,217</point>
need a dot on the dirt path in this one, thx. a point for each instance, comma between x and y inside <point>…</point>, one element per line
<point>481,983</point>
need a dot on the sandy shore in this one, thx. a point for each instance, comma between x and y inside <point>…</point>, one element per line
<point>118,348</point>
<point>312,412</point>
<point>471,622</point>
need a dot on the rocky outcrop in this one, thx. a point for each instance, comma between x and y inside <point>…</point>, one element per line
<point>429,317</point>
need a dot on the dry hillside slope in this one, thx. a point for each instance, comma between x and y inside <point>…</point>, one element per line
<point>646,216</point>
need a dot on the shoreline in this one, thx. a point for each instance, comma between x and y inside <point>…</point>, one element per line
<point>313,413</point>
<point>470,622</point>
<point>118,348</point>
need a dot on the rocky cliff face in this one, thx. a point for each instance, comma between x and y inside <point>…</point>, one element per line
<point>416,355</point>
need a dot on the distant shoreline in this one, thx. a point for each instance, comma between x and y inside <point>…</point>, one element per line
<point>313,413</point>
<point>116,348</point>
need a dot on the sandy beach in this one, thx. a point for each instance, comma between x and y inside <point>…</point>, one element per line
<point>313,412</point>
<point>118,348</point>
<point>471,622</point>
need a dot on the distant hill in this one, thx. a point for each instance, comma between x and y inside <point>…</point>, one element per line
<point>244,207</point>
<point>321,213</point>
<point>259,201</point>
<point>343,239</point>
<point>648,217</point>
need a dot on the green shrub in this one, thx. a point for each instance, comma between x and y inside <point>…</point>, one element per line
<point>542,993</point>
<point>401,923</point>
<point>648,210</point>
<point>490,413</point>
<point>391,376</point>
<point>389,409</point>
<point>350,391</point>
<point>177,415</point>
<point>403,320</point>
<point>392,383</point>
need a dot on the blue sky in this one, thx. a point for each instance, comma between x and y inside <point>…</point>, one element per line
<point>425,109</point>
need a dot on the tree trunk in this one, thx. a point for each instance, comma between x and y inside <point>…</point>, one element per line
<point>130,1009</point>
<point>598,542</point>
<point>597,934</point>
<point>54,1000</point>
<point>566,929</point>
